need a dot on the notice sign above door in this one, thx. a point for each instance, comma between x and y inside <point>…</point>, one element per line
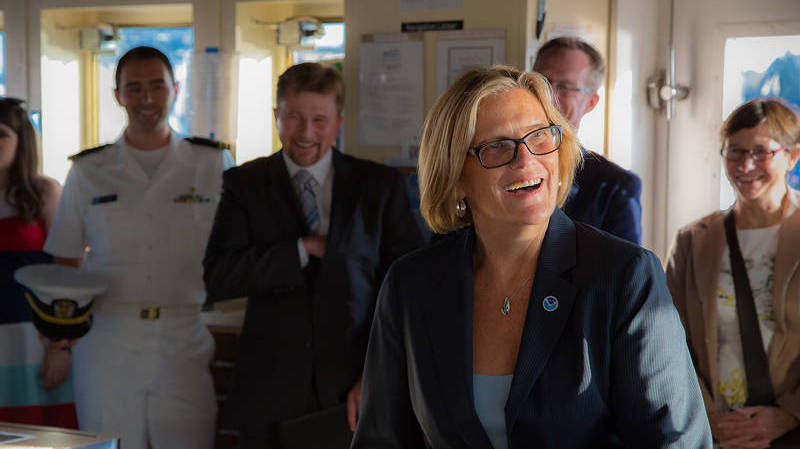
<point>429,5</point>
<point>447,25</point>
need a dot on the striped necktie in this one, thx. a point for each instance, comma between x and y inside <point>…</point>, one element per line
<point>308,199</point>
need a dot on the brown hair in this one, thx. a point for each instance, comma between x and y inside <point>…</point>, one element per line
<point>782,121</point>
<point>558,44</point>
<point>141,54</point>
<point>25,186</point>
<point>312,77</point>
<point>450,128</point>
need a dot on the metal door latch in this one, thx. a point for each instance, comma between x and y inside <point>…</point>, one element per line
<point>660,94</point>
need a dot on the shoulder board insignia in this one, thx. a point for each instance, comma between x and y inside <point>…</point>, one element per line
<point>208,143</point>
<point>88,151</point>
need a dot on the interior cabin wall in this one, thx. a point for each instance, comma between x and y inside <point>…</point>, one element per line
<point>638,51</point>
<point>629,33</point>
<point>385,16</point>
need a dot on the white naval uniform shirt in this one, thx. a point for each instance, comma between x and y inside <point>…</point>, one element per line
<point>146,234</point>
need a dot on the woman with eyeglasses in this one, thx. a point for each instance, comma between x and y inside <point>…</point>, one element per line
<point>735,279</point>
<point>521,328</point>
<point>29,390</point>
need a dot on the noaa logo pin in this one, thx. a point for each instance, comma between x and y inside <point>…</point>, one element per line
<point>550,303</point>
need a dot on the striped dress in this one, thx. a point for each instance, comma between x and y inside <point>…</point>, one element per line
<point>22,398</point>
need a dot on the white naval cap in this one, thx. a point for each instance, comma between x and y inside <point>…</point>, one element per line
<point>61,298</point>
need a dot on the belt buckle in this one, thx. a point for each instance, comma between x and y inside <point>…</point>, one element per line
<point>149,313</point>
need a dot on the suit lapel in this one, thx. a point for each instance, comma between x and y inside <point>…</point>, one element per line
<point>449,325</point>
<point>344,196</point>
<point>279,186</point>
<point>542,328</point>
<point>707,248</point>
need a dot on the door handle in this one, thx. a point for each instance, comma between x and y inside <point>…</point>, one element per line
<point>662,90</point>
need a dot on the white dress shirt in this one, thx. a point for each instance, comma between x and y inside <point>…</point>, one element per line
<point>322,172</point>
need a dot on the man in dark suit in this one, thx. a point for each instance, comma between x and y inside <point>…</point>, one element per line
<point>307,234</point>
<point>604,194</point>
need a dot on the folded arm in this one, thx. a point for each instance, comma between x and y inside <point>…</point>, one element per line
<point>234,264</point>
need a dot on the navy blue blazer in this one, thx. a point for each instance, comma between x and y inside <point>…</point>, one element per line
<point>608,368</point>
<point>606,196</point>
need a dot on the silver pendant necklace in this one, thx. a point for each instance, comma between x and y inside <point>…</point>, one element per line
<point>506,309</point>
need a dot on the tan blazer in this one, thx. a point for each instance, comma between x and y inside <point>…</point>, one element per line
<point>692,276</point>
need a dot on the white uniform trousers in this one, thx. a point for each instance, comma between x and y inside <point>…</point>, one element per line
<point>147,381</point>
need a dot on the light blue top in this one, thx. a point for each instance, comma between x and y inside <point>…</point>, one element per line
<point>491,393</point>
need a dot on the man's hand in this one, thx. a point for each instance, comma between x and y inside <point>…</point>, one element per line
<point>55,367</point>
<point>315,245</point>
<point>353,401</point>
<point>751,427</point>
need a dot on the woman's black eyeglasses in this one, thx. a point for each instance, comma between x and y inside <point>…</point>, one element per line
<point>538,142</point>
<point>758,155</point>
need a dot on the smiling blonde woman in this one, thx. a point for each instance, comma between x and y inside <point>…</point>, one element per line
<point>521,328</point>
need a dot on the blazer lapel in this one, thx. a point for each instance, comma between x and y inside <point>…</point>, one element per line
<point>344,196</point>
<point>708,244</point>
<point>449,325</point>
<point>543,328</point>
<point>786,264</point>
<point>279,186</point>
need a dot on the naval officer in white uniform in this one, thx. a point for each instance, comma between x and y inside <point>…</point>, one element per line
<point>139,211</point>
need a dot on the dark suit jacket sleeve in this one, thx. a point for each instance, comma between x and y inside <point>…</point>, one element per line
<point>401,233</point>
<point>654,392</point>
<point>234,266</point>
<point>386,419</point>
<point>624,216</point>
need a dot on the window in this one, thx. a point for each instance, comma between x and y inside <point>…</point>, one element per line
<point>177,44</point>
<point>329,46</point>
<point>760,67</point>
<point>254,116</point>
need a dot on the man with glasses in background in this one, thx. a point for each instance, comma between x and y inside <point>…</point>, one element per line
<point>138,211</point>
<point>603,194</point>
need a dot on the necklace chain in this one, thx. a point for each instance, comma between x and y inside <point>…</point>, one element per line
<point>506,308</point>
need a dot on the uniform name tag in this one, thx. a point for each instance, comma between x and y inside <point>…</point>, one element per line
<point>104,199</point>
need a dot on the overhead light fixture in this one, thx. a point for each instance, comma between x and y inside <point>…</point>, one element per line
<point>293,31</point>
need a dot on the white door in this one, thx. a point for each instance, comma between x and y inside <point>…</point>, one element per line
<point>691,185</point>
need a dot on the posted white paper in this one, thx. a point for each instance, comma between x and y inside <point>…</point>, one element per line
<point>391,92</point>
<point>214,91</point>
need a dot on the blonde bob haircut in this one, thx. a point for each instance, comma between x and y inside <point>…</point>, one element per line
<point>450,128</point>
